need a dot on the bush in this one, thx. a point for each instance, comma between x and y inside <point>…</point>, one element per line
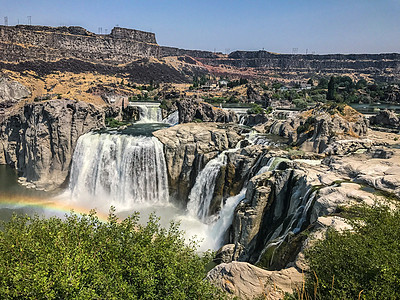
<point>255,109</point>
<point>113,123</point>
<point>83,258</point>
<point>362,263</point>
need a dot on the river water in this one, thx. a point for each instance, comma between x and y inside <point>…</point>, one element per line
<point>125,169</point>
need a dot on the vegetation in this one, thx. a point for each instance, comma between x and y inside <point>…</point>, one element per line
<point>234,83</point>
<point>256,109</point>
<point>363,263</point>
<point>113,123</point>
<point>83,258</point>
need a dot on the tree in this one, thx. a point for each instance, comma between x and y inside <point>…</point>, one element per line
<point>83,258</point>
<point>331,89</point>
<point>362,262</point>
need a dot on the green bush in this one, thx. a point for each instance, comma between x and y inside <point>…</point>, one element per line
<point>83,258</point>
<point>255,109</point>
<point>361,263</point>
<point>113,123</point>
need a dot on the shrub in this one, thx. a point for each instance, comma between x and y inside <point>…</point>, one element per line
<point>113,123</point>
<point>361,263</point>
<point>83,258</point>
<point>255,109</point>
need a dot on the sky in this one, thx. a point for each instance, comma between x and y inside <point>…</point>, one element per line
<point>282,26</point>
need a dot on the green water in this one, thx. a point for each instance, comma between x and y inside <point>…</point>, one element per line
<point>137,129</point>
<point>13,195</point>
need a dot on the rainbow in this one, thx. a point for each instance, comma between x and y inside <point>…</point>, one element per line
<point>52,206</point>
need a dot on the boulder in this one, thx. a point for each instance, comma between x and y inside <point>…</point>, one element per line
<point>11,91</point>
<point>247,281</point>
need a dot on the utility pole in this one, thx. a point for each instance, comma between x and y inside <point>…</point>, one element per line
<point>29,20</point>
<point>6,21</point>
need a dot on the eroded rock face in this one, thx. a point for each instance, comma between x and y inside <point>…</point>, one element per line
<point>316,129</point>
<point>247,281</point>
<point>11,92</point>
<point>272,200</point>
<point>40,139</point>
<point>188,147</point>
<point>191,110</point>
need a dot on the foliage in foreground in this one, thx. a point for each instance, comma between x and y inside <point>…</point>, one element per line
<point>83,258</point>
<point>363,264</point>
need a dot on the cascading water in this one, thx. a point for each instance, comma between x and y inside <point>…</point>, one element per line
<point>172,119</point>
<point>149,113</point>
<point>124,170</point>
<point>203,190</point>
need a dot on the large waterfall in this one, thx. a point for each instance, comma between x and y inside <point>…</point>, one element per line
<point>123,169</point>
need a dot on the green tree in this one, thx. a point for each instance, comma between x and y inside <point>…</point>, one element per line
<point>363,262</point>
<point>331,89</point>
<point>83,258</point>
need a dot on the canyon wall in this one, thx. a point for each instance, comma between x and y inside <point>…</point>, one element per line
<point>23,43</point>
<point>379,65</point>
<point>26,43</point>
<point>39,140</point>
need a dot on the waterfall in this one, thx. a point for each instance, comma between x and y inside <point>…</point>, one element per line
<point>218,229</point>
<point>203,190</point>
<point>172,119</point>
<point>120,169</point>
<point>150,113</point>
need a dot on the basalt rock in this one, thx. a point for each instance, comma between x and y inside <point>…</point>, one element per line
<point>11,92</point>
<point>386,118</point>
<point>39,140</point>
<point>316,129</point>
<point>192,110</point>
<point>188,148</point>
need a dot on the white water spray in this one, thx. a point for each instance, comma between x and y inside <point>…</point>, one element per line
<point>119,170</point>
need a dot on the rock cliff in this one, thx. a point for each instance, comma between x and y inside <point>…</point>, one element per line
<point>188,147</point>
<point>192,110</point>
<point>39,140</point>
<point>377,65</point>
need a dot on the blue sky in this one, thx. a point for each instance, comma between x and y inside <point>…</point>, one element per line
<point>324,26</point>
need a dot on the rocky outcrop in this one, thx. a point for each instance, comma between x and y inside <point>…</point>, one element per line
<point>192,110</point>
<point>316,129</point>
<point>40,139</point>
<point>188,147</point>
<point>11,92</point>
<point>28,43</point>
<point>270,210</point>
<point>246,281</point>
<point>386,118</point>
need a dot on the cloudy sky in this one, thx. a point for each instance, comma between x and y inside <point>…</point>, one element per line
<point>320,26</point>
